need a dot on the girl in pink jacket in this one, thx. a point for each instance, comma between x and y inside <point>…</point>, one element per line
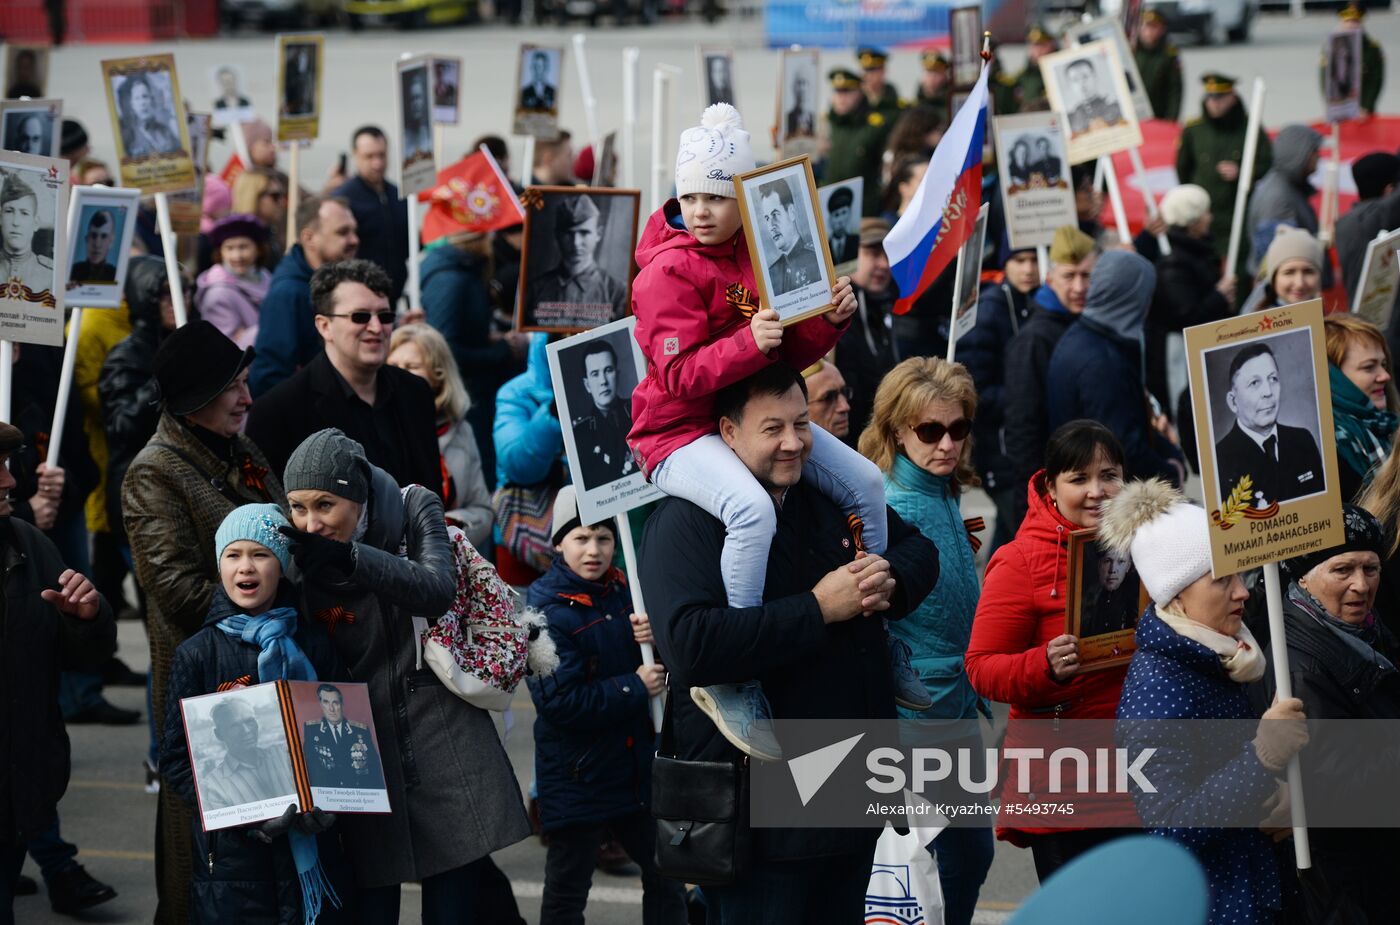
<point>698,324</point>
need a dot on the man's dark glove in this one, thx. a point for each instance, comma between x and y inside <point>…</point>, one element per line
<point>273,829</point>
<point>317,554</point>
<point>314,822</point>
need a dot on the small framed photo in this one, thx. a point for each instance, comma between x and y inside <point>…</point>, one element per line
<point>1108,29</point>
<point>187,206</point>
<point>33,206</point>
<point>148,122</point>
<point>799,88</point>
<point>1342,78</point>
<point>787,238</point>
<point>841,207</point>
<point>231,104</point>
<point>537,77</point>
<point>965,26</point>
<point>1104,599</point>
<point>1086,83</point>
<point>417,171</point>
<point>576,267</point>
<point>716,76</point>
<point>967,279</point>
<point>594,374</point>
<point>300,57</point>
<point>26,70</point>
<point>1264,432</point>
<point>1034,176</point>
<point>31,126</point>
<point>1380,273</point>
<point>447,83</point>
<point>605,167</point>
<point>103,221</point>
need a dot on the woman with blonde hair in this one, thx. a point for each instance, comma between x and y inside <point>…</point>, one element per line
<point>1364,401</point>
<point>261,192</point>
<point>421,350</point>
<point>920,437</point>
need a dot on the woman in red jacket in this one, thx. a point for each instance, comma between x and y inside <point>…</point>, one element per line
<point>1020,653</point>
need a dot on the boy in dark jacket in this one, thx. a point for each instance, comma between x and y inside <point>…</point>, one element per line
<point>277,871</point>
<point>593,735</point>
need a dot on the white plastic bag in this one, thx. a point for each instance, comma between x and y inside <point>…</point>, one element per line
<point>904,885</point>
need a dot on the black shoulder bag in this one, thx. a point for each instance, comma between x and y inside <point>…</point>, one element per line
<point>702,814</point>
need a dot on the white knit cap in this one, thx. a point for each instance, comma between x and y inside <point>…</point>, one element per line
<point>1168,537</point>
<point>1184,205</point>
<point>712,152</point>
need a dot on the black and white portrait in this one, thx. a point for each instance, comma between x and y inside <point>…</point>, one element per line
<point>447,77</point>
<point>717,68</point>
<point>1265,426</point>
<point>577,268</point>
<point>26,71</point>
<point>300,72</point>
<point>337,739</point>
<point>1087,84</point>
<point>33,204</point>
<point>605,170</point>
<point>31,126</point>
<point>417,172</point>
<point>101,245</point>
<point>1089,95</point>
<point>1342,77</point>
<point>1034,177</point>
<point>594,374</point>
<point>1035,162</point>
<point>798,96</point>
<point>965,27</point>
<point>840,204</point>
<point>1109,29</point>
<point>539,79</point>
<point>231,104</point>
<point>150,120</point>
<point>238,748</point>
<point>786,237</point>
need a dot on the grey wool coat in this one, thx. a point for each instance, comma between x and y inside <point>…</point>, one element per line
<point>453,794</point>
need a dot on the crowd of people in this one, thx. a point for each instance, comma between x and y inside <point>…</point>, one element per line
<point>287,475</point>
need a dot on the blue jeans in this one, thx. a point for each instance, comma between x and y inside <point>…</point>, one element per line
<point>964,856</point>
<point>706,472</point>
<point>50,851</point>
<point>818,891</point>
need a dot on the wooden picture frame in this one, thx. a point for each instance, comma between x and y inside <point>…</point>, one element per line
<point>299,106</point>
<point>153,152</point>
<point>1089,608</point>
<point>804,290</point>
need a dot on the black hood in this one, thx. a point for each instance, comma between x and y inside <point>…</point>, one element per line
<point>145,280</point>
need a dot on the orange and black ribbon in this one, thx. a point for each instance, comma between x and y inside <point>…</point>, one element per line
<point>745,302</point>
<point>245,681</point>
<point>254,476</point>
<point>857,528</point>
<point>974,526</point>
<point>1253,513</point>
<point>334,616</point>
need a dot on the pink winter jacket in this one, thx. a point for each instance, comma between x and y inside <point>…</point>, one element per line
<point>693,302</point>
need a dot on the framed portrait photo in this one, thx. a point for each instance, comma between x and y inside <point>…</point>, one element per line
<point>300,57</point>
<point>1086,84</point>
<point>538,74</point>
<point>231,105</point>
<point>1104,599</point>
<point>965,27</point>
<point>576,266</point>
<point>799,91</point>
<point>187,206</point>
<point>1268,459</point>
<point>148,123</point>
<point>605,166</point>
<point>967,279</point>
<point>594,374</point>
<point>26,70</point>
<point>103,221</point>
<point>716,76</point>
<point>417,170</point>
<point>1034,176</point>
<point>840,204</point>
<point>1380,274</point>
<point>447,85</point>
<point>787,238</point>
<point>31,126</point>
<point>33,205</point>
<point>1109,29</point>
<point>1341,83</point>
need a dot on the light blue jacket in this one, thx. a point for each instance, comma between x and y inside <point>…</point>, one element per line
<point>528,437</point>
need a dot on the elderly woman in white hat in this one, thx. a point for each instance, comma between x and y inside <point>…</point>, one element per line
<point>1194,661</point>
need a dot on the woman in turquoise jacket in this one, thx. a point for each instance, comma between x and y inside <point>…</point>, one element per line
<point>919,437</point>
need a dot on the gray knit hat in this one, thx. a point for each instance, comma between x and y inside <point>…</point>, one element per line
<point>332,462</point>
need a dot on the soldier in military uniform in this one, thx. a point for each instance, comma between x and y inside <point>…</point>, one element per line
<point>577,279</point>
<point>1159,66</point>
<point>19,220</point>
<point>845,246</point>
<point>538,94</point>
<point>248,773</point>
<point>339,752</point>
<point>97,244</point>
<point>856,136</point>
<point>600,434</point>
<point>1093,110</point>
<point>794,261</point>
<point>935,81</point>
<point>800,121</point>
<point>881,95</point>
<point>1210,150</point>
<point>1028,87</point>
<point>1372,58</point>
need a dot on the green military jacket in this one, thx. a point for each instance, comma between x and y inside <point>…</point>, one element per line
<point>1160,68</point>
<point>857,148</point>
<point>1204,143</point>
<point>889,105</point>
<point>1372,72</point>
<point>1030,89</point>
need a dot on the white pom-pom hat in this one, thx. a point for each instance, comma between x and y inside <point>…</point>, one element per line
<point>1167,536</point>
<point>712,152</point>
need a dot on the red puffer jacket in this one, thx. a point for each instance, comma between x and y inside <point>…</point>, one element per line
<point>1021,609</point>
<point>693,302</point>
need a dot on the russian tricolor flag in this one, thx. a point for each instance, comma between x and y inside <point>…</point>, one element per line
<point>943,212</point>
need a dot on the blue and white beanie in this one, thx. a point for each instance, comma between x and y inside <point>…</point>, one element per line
<point>258,523</point>
<point>711,153</point>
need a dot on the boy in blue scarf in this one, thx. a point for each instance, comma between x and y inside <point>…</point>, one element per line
<point>279,870</point>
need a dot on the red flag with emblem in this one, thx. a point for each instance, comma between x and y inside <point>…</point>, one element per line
<point>471,195</point>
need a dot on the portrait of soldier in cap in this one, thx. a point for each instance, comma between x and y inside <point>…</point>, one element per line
<point>98,235</point>
<point>575,285</point>
<point>791,259</point>
<point>339,752</point>
<point>601,414</point>
<point>841,236</point>
<point>19,223</point>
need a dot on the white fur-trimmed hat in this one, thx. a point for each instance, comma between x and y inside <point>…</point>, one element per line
<point>1167,536</point>
<point>1185,205</point>
<point>712,152</point>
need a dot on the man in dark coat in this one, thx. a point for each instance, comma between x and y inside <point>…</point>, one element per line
<point>381,216</point>
<point>1377,209</point>
<point>1281,462</point>
<point>808,644</point>
<point>879,92</point>
<point>1159,65</point>
<point>389,411</point>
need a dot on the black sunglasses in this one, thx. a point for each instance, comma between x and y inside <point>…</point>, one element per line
<point>827,398</point>
<point>933,431</point>
<point>386,317</point>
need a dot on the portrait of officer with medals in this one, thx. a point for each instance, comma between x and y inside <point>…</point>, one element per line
<point>1093,104</point>
<point>340,752</point>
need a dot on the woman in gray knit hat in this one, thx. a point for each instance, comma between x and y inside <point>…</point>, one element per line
<point>372,557</point>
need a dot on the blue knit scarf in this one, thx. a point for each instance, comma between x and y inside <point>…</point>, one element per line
<point>281,659</point>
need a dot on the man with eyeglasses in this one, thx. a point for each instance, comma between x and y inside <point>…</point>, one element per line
<point>350,387</point>
<point>829,399</point>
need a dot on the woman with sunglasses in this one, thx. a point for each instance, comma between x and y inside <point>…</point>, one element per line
<point>919,436</point>
<point>1021,655</point>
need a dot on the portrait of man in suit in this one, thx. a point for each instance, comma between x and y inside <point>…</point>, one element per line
<point>801,119</point>
<point>1283,462</point>
<point>538,92</point>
